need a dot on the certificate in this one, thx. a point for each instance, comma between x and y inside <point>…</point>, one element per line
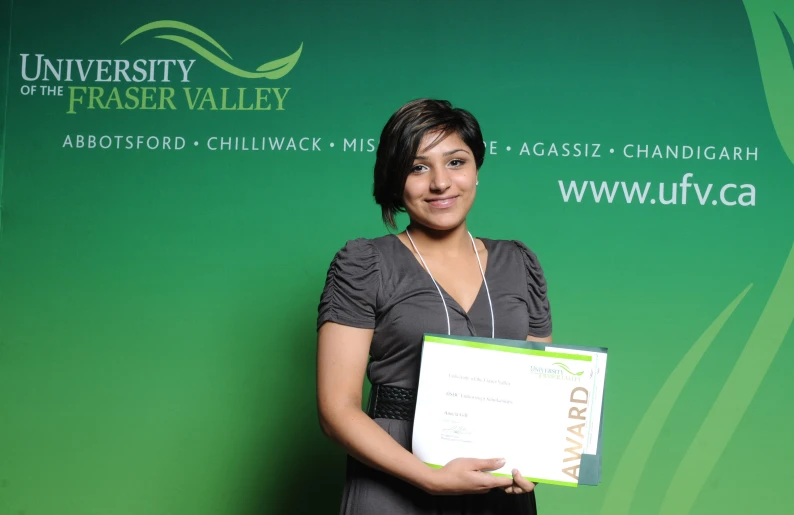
<point>539,409</point>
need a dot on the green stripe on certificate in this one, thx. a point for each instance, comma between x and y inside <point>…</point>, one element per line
<point>504,348</point>
<point>534,480</point>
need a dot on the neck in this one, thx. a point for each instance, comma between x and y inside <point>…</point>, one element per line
<point>429,240</point>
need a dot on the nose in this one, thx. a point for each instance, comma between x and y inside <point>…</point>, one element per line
<point>439,179</point>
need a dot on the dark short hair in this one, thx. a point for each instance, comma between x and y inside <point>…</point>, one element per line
<point>399,142</point>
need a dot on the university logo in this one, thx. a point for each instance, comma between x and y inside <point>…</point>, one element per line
<point>557,371</point>
<point>120,83</point>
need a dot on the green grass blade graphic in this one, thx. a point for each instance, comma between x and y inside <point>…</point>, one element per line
<point>220,63</point>
<point>624,484</point>
<point>562,366</point>
<point>281,67</point>
<point>275,69</point>
<point>171,24</point>
<point>735,397</point>
<point>774,62</point>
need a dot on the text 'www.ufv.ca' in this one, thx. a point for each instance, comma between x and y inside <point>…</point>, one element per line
<point>685,192</point>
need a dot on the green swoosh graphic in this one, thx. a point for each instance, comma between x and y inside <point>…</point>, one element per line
<point>271,70</point>
<point>736,395</point>
<point>287,62</point>
<point>223,65</point>
<point>774,61</point>
<point>621,491</point>
<point>170,24</point>
<point>562,366</point>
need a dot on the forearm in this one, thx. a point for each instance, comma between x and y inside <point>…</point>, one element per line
<point>366,441</point>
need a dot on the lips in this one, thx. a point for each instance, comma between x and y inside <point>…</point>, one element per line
<point>442,203</point>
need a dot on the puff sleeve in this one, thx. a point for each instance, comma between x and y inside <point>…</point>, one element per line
<point>537,297</point>
<point>351,286</point>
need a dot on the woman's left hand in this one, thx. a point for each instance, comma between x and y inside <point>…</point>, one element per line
<point>520,485</point>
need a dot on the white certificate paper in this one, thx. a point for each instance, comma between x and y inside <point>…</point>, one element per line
<point>534,408</point>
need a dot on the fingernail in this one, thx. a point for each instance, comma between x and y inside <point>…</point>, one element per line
<point>500,461</point>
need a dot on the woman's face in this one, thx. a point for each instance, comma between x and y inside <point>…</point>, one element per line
<point>440,187</point>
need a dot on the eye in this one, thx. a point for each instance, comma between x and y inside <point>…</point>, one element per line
<point>418,169</point>
<point>456,163</point>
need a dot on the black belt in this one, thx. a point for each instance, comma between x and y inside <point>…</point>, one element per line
<point>391,402</point>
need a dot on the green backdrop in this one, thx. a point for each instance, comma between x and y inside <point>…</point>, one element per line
<point>157,307</point>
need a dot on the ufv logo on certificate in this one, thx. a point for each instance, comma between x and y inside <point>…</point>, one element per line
<point>538,406</point>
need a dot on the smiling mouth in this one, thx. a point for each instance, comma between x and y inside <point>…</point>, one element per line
<point>442,203</point>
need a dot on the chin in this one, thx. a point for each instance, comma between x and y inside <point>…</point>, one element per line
<point>442,223</point>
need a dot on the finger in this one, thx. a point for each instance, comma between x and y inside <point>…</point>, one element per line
<point>492,464</point>
<point>489,481</point>
<point>514,490</point>
<point>483,487</point>
<point>522,483</point>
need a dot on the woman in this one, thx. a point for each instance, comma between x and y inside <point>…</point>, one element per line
<point>382,295</point>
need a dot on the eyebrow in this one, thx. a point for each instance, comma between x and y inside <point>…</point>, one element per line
<point>445,154</point>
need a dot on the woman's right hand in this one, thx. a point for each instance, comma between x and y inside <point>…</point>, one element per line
<point>342,357</point>
<point>467,476</point>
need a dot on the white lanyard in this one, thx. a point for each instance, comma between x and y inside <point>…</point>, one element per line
<point>449,329</point>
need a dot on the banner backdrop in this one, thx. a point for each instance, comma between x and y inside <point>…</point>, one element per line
<point>178,176</point>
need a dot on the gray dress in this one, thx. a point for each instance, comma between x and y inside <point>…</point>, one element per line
<point>378,284</point>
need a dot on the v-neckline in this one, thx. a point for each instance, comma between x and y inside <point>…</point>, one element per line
<point>418,264</point>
